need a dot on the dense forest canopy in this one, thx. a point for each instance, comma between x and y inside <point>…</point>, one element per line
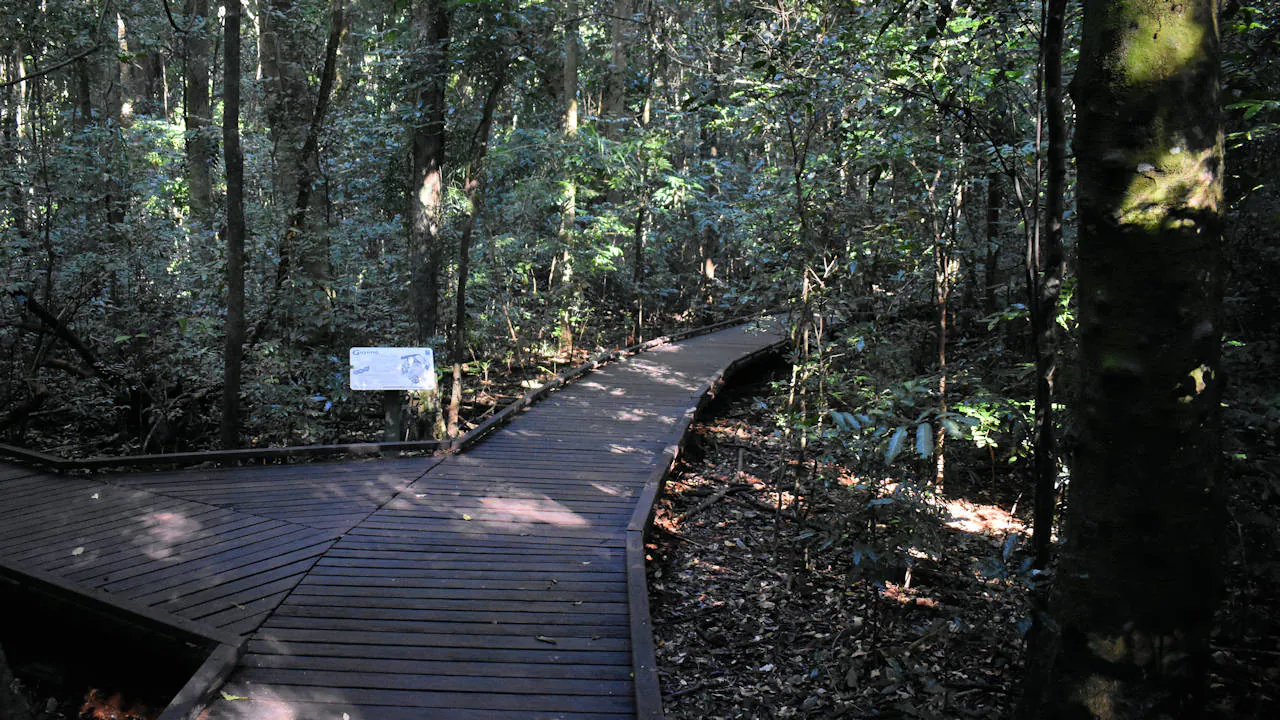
<point>726,156</point>
<point>517,183</point>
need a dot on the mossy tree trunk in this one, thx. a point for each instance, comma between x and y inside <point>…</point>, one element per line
<point>1129,620</point>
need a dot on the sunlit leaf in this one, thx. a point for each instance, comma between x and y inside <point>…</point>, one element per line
<point>895,445</point>
<point>924,440</point>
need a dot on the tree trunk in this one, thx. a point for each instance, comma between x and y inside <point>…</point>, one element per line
<point>230,429</point>
<point>1047,277</point>
<point>1128,632</point>
<point>114,69</point>
<point>290,110</point>
<point>569,203</point>
<point>307,169</point>
<point>426,199</point>
<point>473,187</point>
<point>709,155</point>
<point>198,113</point>
<point>12,97</point>
<point>991,270</point>
<point>621,33</point>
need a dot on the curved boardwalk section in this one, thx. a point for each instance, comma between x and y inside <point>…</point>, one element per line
<point>493,584</point>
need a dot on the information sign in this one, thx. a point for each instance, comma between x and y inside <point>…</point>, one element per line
<point>391,368</point>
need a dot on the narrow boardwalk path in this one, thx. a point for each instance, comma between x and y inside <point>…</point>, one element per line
<point>492,584</point>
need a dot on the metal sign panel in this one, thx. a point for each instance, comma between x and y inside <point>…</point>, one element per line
<point>391,368</point>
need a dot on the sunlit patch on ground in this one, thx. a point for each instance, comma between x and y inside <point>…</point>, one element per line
<point>981,519</point>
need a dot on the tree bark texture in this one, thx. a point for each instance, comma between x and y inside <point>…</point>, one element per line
<point>290,108</point>
<point>473,188</point>
<point>621,35</point>
<point>426,200</point>
<point>230,428</point>
<point>1136,586</point>
<point>200,148</point>
<point>995,199</point>
<point>569,204</point>
<point>1047,285</point>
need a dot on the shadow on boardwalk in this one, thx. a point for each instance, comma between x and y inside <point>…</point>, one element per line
<point>492,584</point>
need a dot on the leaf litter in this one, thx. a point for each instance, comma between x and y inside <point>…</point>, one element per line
<point>771,605</point>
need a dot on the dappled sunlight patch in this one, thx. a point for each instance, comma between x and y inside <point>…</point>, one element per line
<point>663,375</point>
<point>903,595</point>
<point>540,511</point>
<point>258,702</point>
<point>164,530</point>
<point>612,490</point>
<point>618,449</point>
<point>638,415</point>
<point>981,519</point>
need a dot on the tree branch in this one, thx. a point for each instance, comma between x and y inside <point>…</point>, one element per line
<point>61,330</point>
<point>56,66</point>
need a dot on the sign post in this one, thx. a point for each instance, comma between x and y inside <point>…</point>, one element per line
<point>393,371</point>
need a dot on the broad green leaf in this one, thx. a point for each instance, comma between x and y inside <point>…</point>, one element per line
<point>952,427</point>
<point>895,445</point>
<point>924,440</point>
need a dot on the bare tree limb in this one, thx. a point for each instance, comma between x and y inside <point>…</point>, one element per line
<point>56,66</point>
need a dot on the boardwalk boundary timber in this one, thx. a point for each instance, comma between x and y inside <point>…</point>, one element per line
<point>648,690</point>
<point>219,651</point>
<point>60,464</point>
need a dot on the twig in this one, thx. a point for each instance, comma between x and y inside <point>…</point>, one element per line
<point>680,538</point>
<point>760,505</point>
<point>716,497</point>
<point>700,685</point>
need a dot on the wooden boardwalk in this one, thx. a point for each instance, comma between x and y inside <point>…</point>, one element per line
<point>506,582</point>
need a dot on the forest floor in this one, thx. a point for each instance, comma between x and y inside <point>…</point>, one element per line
<point>808,612</point>
<point>769,603</point>
<point>761,613</point>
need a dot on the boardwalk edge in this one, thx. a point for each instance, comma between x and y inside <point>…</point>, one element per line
<point>648,690</point>
<point>223,650</point>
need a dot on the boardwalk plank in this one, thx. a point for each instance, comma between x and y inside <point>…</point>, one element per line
<point>439,699</point>
<point>330,657</point>
<point>554,661</point>
<point>499,584</point>
<point>362,676</point>
<point>258,708</point>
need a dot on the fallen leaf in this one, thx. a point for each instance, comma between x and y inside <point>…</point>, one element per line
<point>466,516</point>
<point>545,639</point>
<point>78,551</point>
<point>229,697</point>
